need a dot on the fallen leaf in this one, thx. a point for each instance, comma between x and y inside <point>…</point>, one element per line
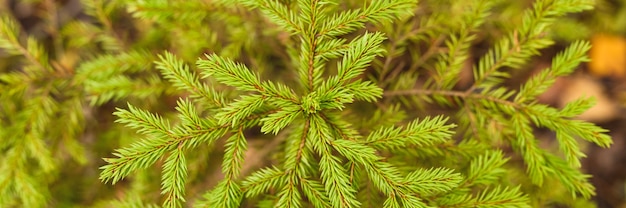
<point>608,56</point>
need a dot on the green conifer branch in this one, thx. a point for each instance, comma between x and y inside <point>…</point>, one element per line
<point>127,62</point>
<point>319,133</point>
<point>103,11</point>
<point>573,180</point>
<point>131,201</point>
<point>522,115</point>
<point>332,48</point>
<point>542,115</point>
<point>427,182</point>
<point>450,64</point>
<point>240,109</point>
<point>326,158</point>
<point>236,146</point>
<point>500,197</point>
<point>162,138</point>
<point>122,86</point>
<point>340,126</point>
<point>336,98</point>
<point>427,132</point>
<point>378,11</point>
<point>336,181</point>
<point>229,73</point>
<point>173,178</point>
<point>485,169</point>
<point>228,193</point>
<point>366,91</point>
<point>9,33</point>
<point>290,196</point>
<point>563,64</point>
<point>140,156</point>
<point>179,73</point>
<point>569,146</point>
<point>334,176</point>
<point>360,53</point>
<point>32,50</point>
<point>29,189</point>
<point>105,85</point>
<point>144,122</point>
<point>31,119</point>
<point>278,13</point>
<point>276,121</point>
<point>389,181</point>
<point>577,107</point>
<point>261,181</point>
<point>281,91</point>
<point>296,150</point>
<point>383,175</point>
<point>188,113</point>
<point>310,12</point>
<point>15,183</point>
<point>310,67</point>
<point>514,49</point>
<point>315,192</point>
<point>180,10</point>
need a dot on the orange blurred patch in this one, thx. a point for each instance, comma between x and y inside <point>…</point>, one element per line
<point>608,56</point>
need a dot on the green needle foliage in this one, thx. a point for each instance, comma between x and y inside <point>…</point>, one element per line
<point>339,93</point>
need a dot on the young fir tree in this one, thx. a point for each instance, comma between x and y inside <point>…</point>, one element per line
<point>337,91</point>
